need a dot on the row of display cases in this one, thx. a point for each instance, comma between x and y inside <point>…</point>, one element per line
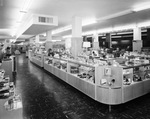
<point>72,73</point>
<point>107,84</point>
<point>38,59</point>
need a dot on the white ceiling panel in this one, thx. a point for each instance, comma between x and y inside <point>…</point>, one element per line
<point>66,9</point>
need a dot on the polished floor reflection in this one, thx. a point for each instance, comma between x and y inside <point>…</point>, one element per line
<point>46,97</point>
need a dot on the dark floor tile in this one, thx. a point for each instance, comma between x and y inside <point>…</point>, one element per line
<point>46,97</point>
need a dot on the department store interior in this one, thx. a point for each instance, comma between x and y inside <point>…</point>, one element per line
<point>83,59</point>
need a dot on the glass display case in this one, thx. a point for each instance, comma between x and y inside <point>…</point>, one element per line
<point>109,83</point>
<point>82,77</point>
<point>38,59</point>
<point>60,68</point>
<point>83,70</point>
<point>48,64</point>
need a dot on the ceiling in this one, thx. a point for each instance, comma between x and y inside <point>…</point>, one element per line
<point>108,13</point>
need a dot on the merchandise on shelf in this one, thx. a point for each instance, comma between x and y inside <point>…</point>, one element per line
<point>83,72</point>
<point>64,65</point>
<point>126,80</point>
<point>6,87</point>
<point>50,61</point>
<point>74,69</point>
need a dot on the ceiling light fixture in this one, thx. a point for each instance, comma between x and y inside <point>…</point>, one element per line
<point>55,40</point>
<point>23,10</point>
<point>122,28</point>
<point>89,22</point>
<point>88,33</point>
<point>67,36</point>
<point>121,33</point>
<point>26,5</point>
<point>144,24</point>
<point>105,30</point>
<point>66,28</point>
<point>122,13</point>
<point>20,17</point>
<point>116,36</point>
<point>142,7</point>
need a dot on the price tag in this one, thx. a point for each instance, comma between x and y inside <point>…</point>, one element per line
<point>107,71</point>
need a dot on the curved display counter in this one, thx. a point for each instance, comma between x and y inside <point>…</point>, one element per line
<point>110,85</point>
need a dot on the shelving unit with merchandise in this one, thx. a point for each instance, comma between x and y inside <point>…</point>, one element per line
<point>7,89</point>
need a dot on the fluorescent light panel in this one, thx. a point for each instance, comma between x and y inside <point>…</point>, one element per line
<point>66,28</point>
<point>67,36</point>
<point>121,28</point>
<point>89,22</point>
<point>124,33</point>
<point>116,36</point>
<point>20,17</point>
<point>106,30</point>
<point>88,33</point>
<point>142,7</point>
<point>26,5</point>
<point>55,40</point>
<point>23,10</point>
<point>144,24</point>
<point>115,15</point>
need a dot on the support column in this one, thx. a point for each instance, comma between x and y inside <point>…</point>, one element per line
<point>37,40</point>
<point>108,40</point>
<point>137,39</point>
<point>95,42</point>
<point>49,43</point>
<point>32,40</point>
<point>76,40</point>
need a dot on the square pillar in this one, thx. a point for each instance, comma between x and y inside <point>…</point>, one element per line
<point>137,34</point>
<point>76,46</point>
<point>37,40</point>
<point>95,41</point>
<point>137,42</point>
<point>76,26</point>
<point>49,43</point>
<point>108,40</point>
<point>76,40</point>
